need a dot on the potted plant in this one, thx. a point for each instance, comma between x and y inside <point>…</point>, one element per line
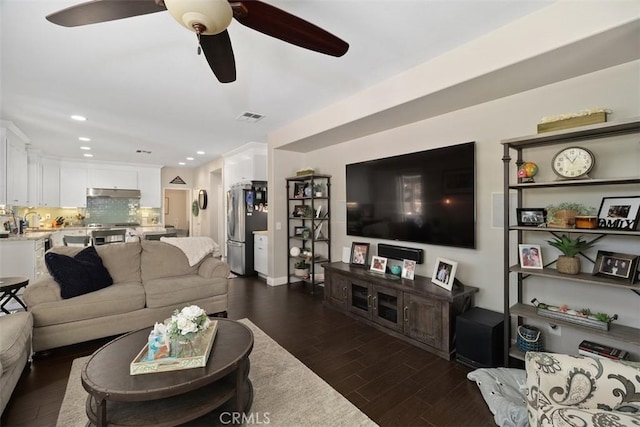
<point>301,268</point>
<point>317,190</point>
<point>563,215</point>
<point>568,262</point>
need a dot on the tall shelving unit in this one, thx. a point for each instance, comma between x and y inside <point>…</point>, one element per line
<point>520,310</point>
<point>315,217</point>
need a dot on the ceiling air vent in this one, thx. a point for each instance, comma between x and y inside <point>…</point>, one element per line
<point>249,117</point>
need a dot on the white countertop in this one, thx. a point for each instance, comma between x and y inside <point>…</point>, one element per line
<point>262,232</point>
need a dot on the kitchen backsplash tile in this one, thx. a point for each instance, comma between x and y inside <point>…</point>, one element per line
<point>112,210</point>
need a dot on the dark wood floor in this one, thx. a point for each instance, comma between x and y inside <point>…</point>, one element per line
<point>392,382</point>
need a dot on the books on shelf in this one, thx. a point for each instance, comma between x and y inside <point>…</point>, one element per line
<point>588,348</point>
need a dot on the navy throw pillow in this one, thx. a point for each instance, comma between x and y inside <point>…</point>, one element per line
<point>79,275</point>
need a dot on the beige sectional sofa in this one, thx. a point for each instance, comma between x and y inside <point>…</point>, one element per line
<point>151,279</point>
<point>15,348</point>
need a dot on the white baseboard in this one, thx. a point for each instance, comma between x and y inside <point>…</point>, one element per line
<point>276,281</point>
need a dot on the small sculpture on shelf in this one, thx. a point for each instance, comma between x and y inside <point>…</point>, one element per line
<point>527,171</point>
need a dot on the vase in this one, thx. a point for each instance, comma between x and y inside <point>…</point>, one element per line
<point>568,265</point>
<point>186,347</point>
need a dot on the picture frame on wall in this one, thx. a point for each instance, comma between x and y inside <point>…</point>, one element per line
<point>530,256</point>
<point>359,254</point>
<point>619,266</point>
<point>378,264</point>
<point>531,217</point>
<point>620,213</point>
<point>408,269</point>
<point>444,273</point>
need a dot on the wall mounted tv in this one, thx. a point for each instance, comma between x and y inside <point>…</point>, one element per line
<point>425,197</point>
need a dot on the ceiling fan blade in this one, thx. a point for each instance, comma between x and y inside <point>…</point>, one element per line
<point>282,25</point>
<point>219,53</point>
<point>96,11</point>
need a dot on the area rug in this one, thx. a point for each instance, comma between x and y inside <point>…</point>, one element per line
<point>286,392</point>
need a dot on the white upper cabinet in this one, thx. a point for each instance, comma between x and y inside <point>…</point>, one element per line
<point>13,166</point>
<point>112,177</point>
<point>249,163</point>
<point>50,183</point>
<point>73,186</point>
<point>149,180</point>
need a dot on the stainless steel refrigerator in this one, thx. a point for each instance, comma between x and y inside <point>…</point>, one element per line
<point>242,220</point>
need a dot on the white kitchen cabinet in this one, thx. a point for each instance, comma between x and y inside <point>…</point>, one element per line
<point>34,179</point>
<point>22,257</point>
<point>112,177</point>
<point>261,253</point>
<point>14,168</point>
<point>249,163</point>
<point>149,184</point>
<point>50,193</point>
<point>73,186</point>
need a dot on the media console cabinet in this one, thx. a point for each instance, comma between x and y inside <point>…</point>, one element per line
<point>416,311</point>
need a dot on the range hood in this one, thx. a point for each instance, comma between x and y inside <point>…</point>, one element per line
<point>114,193</point>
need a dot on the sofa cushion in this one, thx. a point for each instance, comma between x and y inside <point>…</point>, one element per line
<point>173,291</point>
<point>116,299</point>
<point>161,259</point>
<point>122,260</point>
<point>80,274</point>
<point>15,336</point>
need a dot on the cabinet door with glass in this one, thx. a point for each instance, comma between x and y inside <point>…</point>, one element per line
<point>387,307</point>
<point>359,299</point>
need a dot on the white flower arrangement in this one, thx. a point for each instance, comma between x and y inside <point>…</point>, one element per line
<point>187,323</point>
<point>587,112</point>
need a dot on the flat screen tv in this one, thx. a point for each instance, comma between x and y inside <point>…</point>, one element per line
<point>425,197</point>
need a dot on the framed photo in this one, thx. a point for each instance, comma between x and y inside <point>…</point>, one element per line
<point>298,231</point>
<point>408,269</point>
<point>616,266</point>
<point>299,211</point>
<point>530,256</point>
<point>532,217</point>
<point>444,273</point>
<point>298,189</point>
<point>359,254</point>
<point>378,264</point>
<point>621,213</point>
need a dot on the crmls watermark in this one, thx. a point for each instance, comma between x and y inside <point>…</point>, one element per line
<point>248,418</point>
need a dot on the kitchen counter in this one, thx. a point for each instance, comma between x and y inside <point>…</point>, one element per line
<point>262,232</point>
<point>30,235</point>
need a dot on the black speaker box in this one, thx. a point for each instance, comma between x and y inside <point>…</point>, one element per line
<point>400,253</point>
<point>479,338</point>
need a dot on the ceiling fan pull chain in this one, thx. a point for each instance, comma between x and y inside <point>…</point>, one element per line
<point>199,47</point>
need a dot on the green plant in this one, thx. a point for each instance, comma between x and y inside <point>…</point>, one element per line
<point>604,317</point>
<point>302,265</point>
<point>568,206</point>
<point>570,247</point>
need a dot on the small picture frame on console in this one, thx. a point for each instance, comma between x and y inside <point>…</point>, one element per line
<point>359,254</point>
<point>623,267</point>
<point>444,273</point>
<point>531,217</point>
<point>378,264</point>
<point>408,269</point>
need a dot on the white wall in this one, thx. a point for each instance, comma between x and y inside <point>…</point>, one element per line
<point>209,177</point>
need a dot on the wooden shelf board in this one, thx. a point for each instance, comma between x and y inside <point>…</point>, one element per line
<point>616,331</point>
<point>580,277</point>
<point>576,183</point>
<point>601,130</point>
<point>608,231</point>
<point>515,352</point>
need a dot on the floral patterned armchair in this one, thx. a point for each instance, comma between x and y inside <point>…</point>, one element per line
<point>564,390</point>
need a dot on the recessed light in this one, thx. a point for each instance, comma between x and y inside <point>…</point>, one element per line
<point>181,163</point>
<point>200,152</point>
<point>189,158</point>
<point>84,138</point>
<point>88,155</point>
<point>78,118</point>
<point>85,148</point>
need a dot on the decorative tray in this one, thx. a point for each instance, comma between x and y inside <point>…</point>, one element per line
<point>141,365</point>
<point>574,318</point>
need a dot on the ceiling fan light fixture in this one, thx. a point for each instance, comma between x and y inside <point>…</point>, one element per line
<point>214,15</point>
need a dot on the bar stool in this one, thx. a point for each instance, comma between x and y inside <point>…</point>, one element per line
<point>82,240</point>
<point>104,237</point>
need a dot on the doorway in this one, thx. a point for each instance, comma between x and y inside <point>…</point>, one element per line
<point>177,209</point>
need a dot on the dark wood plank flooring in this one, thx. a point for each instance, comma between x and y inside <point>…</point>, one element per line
<point>392,382</point>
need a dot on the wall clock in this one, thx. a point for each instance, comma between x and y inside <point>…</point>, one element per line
<point>573,162</point>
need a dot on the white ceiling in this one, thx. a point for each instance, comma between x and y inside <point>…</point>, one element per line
<point>142,86</point>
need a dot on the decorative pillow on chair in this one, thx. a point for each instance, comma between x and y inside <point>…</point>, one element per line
<point>79,275</point>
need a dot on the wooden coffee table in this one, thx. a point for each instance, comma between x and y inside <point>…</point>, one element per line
<point>168,398</point>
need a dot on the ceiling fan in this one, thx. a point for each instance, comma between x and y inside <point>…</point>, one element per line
<point>209,19</point>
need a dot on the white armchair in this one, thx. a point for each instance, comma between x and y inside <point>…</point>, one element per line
<point>565,390</point>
